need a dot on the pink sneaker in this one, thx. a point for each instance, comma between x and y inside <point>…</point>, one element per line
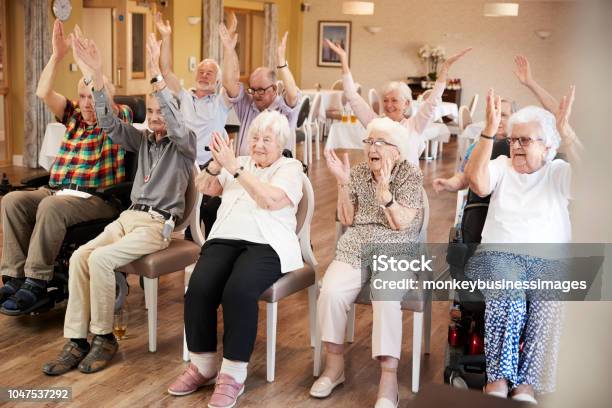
<point>226,393</point>
<point>189,381</point>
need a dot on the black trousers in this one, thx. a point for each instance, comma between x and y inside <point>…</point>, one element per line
<point>234,274</point>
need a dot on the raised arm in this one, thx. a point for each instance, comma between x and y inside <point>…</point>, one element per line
<point>477,169</point>
<point>124,134</point>
<point>523,73</point>
<point>54,101</point>
<point>341,169</point>
<point>570,144</point>
<point>362,109</point>
<point>266,195</point>
<point>176,129</point>
<point>285,75</point>
<point>426,113</point>
<point>165,31</point>
<point>231,66</point>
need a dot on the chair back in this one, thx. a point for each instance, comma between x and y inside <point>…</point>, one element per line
<point>337,85</point>
<point>304,111</point>
<point>137,105</point>
<point>374,100</point>
<point>314,109</point>
<point>425,94</point>
<point>191,198</point>
<point>473,104</point>
<point>423,231</point>
<point>465,118</point>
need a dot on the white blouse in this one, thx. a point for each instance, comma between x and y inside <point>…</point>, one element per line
<point>239,216</point>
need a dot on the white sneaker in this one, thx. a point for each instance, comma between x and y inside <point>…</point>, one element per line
<point>525,398</point>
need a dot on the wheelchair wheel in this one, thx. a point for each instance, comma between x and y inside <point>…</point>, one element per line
<point>121,290</point>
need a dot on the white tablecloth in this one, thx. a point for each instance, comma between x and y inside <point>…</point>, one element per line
<point>444,109</point>
<point>350,135</point>
<point>330,99</point>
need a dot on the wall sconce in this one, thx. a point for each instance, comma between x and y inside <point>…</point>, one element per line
<point>501,9</point>
<point>373,29</point>
<point>194,20</point>
<point>543,34</point>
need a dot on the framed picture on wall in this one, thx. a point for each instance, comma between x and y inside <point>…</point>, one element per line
<point>338,32</point>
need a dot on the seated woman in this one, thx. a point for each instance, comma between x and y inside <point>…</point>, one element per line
<point>381,201</point>
<point>252,243</point>
<point>397,98</point>
<point>529,204</point>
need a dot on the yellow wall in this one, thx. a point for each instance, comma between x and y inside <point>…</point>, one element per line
<point>186,38</point>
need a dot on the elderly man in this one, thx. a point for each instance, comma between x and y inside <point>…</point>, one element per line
<point>166,154</point>
<point>262,92</point>
<point>204,109</point>
<point>35,222</point>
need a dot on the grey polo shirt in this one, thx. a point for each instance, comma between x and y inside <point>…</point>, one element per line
<point>164,167</point>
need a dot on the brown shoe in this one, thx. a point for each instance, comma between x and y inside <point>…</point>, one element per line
<point>102,352</point>
<point>70,357</point>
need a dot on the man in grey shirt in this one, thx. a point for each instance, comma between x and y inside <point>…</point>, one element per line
<point>166,157</point>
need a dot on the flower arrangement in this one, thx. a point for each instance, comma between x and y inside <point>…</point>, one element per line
<point>432,56</point>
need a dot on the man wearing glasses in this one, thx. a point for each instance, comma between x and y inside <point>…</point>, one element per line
<point>262,92</point>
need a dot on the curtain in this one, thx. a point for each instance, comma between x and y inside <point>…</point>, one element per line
<point>270,34</point>
<point>212,16</point>
<point>38,45</point>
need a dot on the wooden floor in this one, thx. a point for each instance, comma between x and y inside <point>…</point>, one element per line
<point>139,378</point>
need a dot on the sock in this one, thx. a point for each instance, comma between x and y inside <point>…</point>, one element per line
<point>206,363</point>
<point>82,343</point>
<point>334,365</point>
<point>41,283</point>
<point>237,369</point>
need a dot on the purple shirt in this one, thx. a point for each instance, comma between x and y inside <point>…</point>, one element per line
<point>247,111</point>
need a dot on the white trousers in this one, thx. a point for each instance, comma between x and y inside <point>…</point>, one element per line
<point>341,285</point>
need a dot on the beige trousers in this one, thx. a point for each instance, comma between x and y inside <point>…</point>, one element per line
<point>341,285</point>
<point>91,279</point>
<point>34,225</point>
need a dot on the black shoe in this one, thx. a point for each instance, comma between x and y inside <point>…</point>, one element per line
<point>103,349</point>
<point>11,286</point>
<point>29,298</point>
<point>69,358</point>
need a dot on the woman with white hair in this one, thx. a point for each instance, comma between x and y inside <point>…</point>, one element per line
<point>530,194</point>
<point>252,243</point>
<point>380,201</point>
<point>397,98</point>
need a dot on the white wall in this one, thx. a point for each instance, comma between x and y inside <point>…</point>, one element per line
<point>408,24</point>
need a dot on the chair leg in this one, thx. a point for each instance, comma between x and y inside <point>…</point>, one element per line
<point>150,289</point>
<point>271,316</point>
<point>434,149</point>
<point>185,349</point>
<point>417,336</point>
<point>305,158</point>
<point>350,327</point>
<point>318,155</point>
<point>427,327</point>
<point>312,313</point>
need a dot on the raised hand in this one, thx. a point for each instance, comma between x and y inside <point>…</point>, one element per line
<point>164,28</point>
<point>229,37</point>
<point>523,70</point>
<point>281,57</point>
<point>563,114</point>
<point>440,184</point>
<point>493,113</point>
<point>223,153</point>
<point>153,53</point>
<point>445,67</point>
<point>61,43</point>
<point>87,55</point>
<point>341,169</point>
<point>337,49</point>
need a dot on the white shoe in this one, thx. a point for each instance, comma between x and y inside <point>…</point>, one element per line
<point>323,387</point>
<point>525,398</point>
<point>498,394</point>
<point>386,403</point>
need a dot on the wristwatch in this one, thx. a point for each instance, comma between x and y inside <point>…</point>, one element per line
<point>237,173</point>
<point>87,80</point>
<point>156,79</point>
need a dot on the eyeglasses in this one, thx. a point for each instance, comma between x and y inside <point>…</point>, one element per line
<point>258,91</point>
<point>377,142</point>
<point>524,141</point>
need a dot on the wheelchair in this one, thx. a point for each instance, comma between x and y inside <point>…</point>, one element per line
<point>76,235</point>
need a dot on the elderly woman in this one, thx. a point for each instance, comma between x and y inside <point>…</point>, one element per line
<point>529,204</point>
<point>250,246</point>
<point>397,98</point>
<point>380,201</point>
